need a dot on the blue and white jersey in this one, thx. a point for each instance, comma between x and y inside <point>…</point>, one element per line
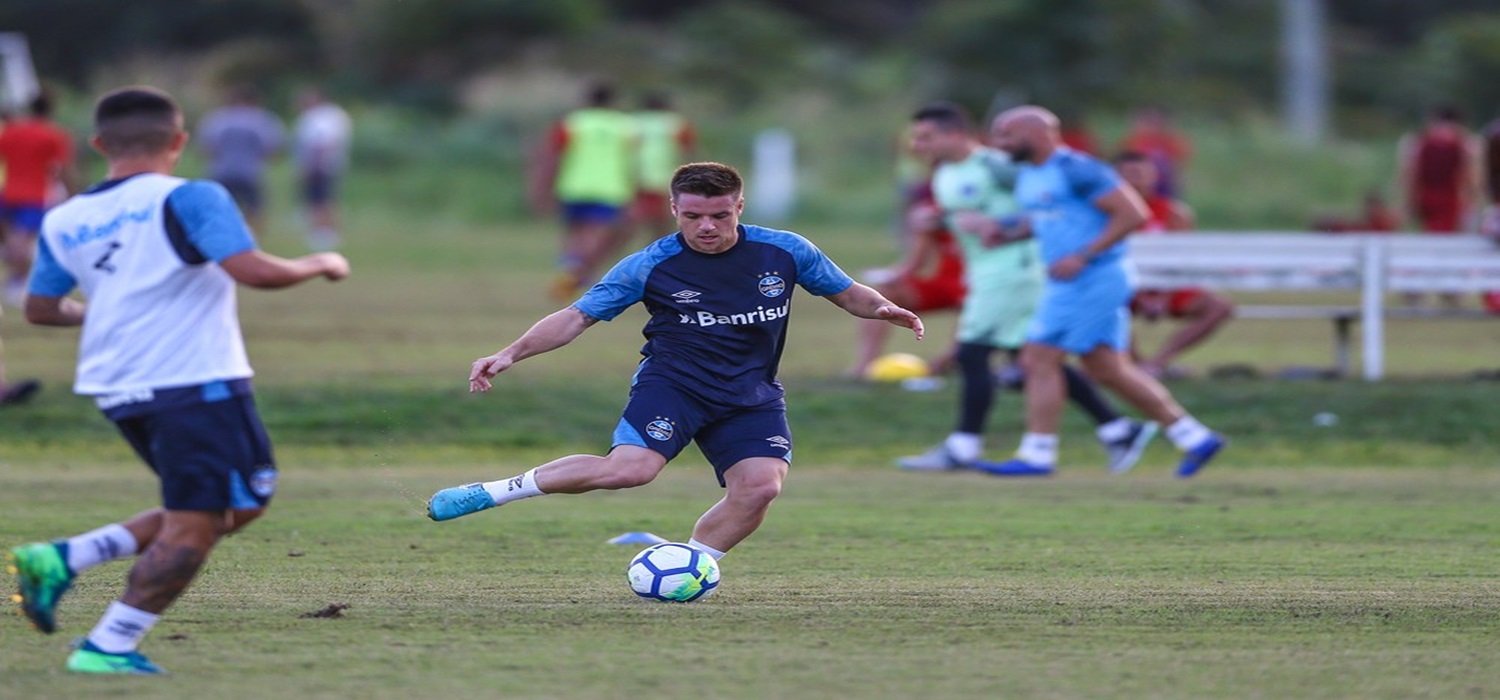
<point>160,313</point>
<point>718,322</point>
<point>1058,196</point>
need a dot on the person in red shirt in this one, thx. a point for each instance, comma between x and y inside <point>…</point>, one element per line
<point>1489,225</point>
<point>1439,170</point>
<point>930,277</point>
<point>1203,311</point>
<point>38,156</point>
<point>1152,134</point>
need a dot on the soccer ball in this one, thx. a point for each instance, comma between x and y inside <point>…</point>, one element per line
<point>896,367</point>
<point>673,573</point>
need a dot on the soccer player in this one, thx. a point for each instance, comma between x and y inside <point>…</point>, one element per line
<point>588,169</point>
<point>38,157</point>
<point>971,186</point>
<point>320,148</point>
<point>158,258</point>
<point>718,293</point>
<point>1203,311</point>
<point>1080,213</point>
<point>240,138</point>
<point>666,139</point>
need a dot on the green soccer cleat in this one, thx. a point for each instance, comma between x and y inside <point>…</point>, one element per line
<point>87,658</point>
<point>42,577</point>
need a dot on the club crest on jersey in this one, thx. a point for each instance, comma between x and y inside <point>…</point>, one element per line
<point>660,430</point>
<point>771,285</point>
<point>263,481</point>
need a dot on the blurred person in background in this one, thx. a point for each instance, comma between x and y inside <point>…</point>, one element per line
<point>666,139</point>
<point>1439,169</point>
<point>972,189</point>
<point>1202,311</point>
<point>320,149</point>
<point>1080,213</point>
<point>1489,224</point>
<point>38,159</point>
<point>587,169</point>
<point>240,139</point>
<point>1152,133</point>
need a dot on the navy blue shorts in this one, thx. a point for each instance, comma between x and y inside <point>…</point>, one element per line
<point>592,213</point>
<point>663,418</point>
<point>212,456</point>
<point>318,186</point>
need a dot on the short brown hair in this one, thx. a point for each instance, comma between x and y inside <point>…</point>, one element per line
<point>135,121</point>
<point>706,180</point>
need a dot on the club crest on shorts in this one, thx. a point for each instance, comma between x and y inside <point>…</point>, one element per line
<point>771,285</point>
<point>263,481</point>
<point>660,429</point>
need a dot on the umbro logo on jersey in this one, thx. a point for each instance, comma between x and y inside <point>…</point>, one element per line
<point>779,441</point>
<point>687,296</point>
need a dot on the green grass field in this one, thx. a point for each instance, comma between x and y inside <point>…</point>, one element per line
<point>1355,560</point>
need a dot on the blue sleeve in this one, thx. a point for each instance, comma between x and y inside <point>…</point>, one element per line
<point>815,271</point>
<point>1089,178</point>
<point>622,286</point>
<point>48,278</point>
<point>213,222</point>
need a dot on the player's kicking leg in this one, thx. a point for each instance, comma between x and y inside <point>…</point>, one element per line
<point>625,466</point>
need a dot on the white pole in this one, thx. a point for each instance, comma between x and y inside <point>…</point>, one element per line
<point>1372,307</point>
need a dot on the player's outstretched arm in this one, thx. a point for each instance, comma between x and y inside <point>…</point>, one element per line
<point>259,269</point>
<point>552,332</point>
<point>864,302</point>
<point>54,311</point>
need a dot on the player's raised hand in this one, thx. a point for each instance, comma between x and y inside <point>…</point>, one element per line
<point>901,317</point>
<point>485,368</point>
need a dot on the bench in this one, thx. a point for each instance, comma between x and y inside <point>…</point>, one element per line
<point>1371,265</point>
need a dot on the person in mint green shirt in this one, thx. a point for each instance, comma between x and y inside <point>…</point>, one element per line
<point>588,172</point>
<point>972,186</point>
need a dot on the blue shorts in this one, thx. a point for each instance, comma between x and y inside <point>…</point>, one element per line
<point>591,213</point>
<point>664,418</point>
<point>1080,315</point>
<point>246,192</point>
<point>318,186</point>
<point>212,456</point>
<point>22,219</point>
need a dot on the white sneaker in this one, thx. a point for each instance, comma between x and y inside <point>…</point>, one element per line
<point>934,460</point>
<point>1125,452</point>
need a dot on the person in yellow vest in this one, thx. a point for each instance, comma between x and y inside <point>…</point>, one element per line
<point>667,140</point>
<point>588,171</point>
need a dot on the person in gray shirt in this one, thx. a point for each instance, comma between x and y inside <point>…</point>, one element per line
<point>239,138</point>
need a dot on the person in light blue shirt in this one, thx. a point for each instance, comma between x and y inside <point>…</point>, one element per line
<point>1080,213</point>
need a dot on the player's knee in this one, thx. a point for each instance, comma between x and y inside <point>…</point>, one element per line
<point>236,519</point>
<point>624,470</point>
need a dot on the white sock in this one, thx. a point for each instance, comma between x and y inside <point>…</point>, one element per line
<point>121,629</point>
<point>1114,430</point>
<point>1186,433</point>
<point>513,489</point>
<point>1038,448</point>
<point>95,547</point>
<point>965,447</point>
<point>716,554</point>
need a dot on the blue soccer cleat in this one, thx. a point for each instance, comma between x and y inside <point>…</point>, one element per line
<point>458,501</point>
<point>1196,458</point>
<point>1014,467</point>
<point>88,658</point>
<point>42,577</point>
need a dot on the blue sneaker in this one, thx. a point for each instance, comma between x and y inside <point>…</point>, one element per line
<point>88,658</point>
<point>458,501</point>
<point>1125,452</point>
<point>1197,458</point>
<point>42,577</point>
<point>1014,467</point>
